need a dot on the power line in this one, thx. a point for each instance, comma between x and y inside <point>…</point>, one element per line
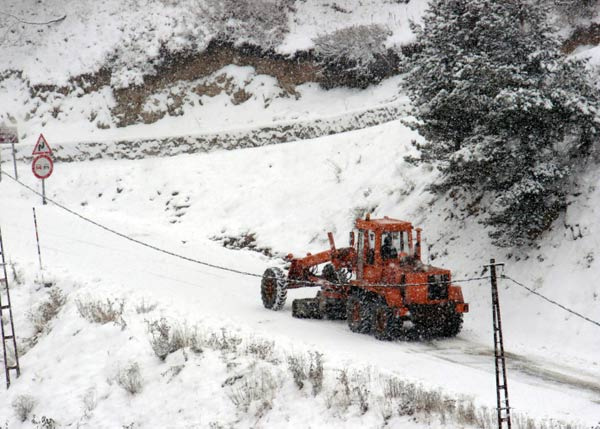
<point>197,261</point>
<point>551,301</point>
<point>22,21</point>
<point>127,237</point>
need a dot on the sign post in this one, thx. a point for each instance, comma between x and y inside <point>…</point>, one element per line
<point>9,135</point>
<point>42,165</point>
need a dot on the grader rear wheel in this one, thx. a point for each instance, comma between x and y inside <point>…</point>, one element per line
<point>273,289</point>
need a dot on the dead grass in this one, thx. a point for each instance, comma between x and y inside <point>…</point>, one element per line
<point>45,312</point>
<point>23,406</point>
<point>130,378</point>
<point>102,311</point>
<point>166,339</point>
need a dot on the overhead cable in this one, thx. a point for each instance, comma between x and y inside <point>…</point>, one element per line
<point>197,261</point>
<point>551,301</point>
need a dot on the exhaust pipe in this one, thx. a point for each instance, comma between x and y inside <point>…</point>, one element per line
<point>418,245</point>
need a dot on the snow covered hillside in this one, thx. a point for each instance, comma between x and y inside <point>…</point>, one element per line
<point>115,334</point>
<point>140,69</point>
<point>185,203</point>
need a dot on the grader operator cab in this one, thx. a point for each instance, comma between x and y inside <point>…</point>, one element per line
<point>377,284</point>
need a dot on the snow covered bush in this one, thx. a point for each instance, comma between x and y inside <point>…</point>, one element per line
<point>152,35</point>
<point>17,273</point>
<point>352,388</point>
<point>90,401</point>
<point>254,390</point>
<point>166,339</point>
<point>505,115</point>
<point>261,23</point>
<point>102,311</point>
<point>354,56</point>
<point>145,307</point>
<point>307,368</point>
<point>223,341</point>
<point>262,349</point>
<point>130,378</point>
<point>46,311</point>
<point>23,405</point>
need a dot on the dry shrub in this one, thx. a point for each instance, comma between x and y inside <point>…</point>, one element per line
<point>261,23</point>
<point>45,312</point>
<point>352,389</point>
<point>130,378</point>
<point>144,307</point>
<point>355,56</point>
<point>23,405</point>
<point>166,339</point>
<point>307,367</point>
<point>98,311</point>
<point>297,366</point>
<point>262,349</point>
<point>224,341</point>
<point>90,401</point>
<point>255,389</point>
<point>16,273</point>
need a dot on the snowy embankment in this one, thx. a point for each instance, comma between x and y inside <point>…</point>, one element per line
<point>117,71</point>
<point>273,133</point>
<point>185,202</point>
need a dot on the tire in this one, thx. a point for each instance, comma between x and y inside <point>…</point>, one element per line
<point>386,326</point>
<point>330,274</point>
<point>306,308</point>
<point>441,321</point>
<point>358,315</point>
<point>453,325</point>
<point>273,289</point>
<point>426,322</point>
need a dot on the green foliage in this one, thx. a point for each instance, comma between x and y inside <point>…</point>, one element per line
<point>505,115</point>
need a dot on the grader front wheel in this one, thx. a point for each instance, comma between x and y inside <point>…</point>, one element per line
<point>386,326</point>
<point>358,315</point>
<point>273,289</point>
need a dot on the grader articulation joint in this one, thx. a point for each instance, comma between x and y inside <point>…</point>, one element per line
<point>377,284</point>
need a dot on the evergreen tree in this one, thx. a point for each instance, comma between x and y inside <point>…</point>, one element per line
<point>504,113</point>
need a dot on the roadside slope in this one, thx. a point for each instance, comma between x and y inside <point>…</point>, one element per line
<point>179,203</point>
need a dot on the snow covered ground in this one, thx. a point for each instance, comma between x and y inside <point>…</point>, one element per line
<point>128,38</point>
<point>289,196</point>
<point>130,33</point>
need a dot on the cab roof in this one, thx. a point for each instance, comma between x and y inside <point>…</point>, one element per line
<point>384,224</point>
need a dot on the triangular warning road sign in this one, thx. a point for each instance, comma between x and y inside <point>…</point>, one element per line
<point>42,147</point>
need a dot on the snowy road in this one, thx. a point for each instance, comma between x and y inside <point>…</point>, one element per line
<point>74,249</point>
<point>290,196</point>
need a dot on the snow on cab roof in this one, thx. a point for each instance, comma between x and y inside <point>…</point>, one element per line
<point>385,223</point>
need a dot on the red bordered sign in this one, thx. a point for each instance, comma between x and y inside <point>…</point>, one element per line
<point>42,166</point>
<point>42,147</point>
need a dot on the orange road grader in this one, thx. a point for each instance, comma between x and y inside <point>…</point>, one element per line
<point>377,284</point>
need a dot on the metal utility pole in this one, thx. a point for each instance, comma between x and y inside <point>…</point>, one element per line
<point>7,332</point>
<point>500,362</point>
